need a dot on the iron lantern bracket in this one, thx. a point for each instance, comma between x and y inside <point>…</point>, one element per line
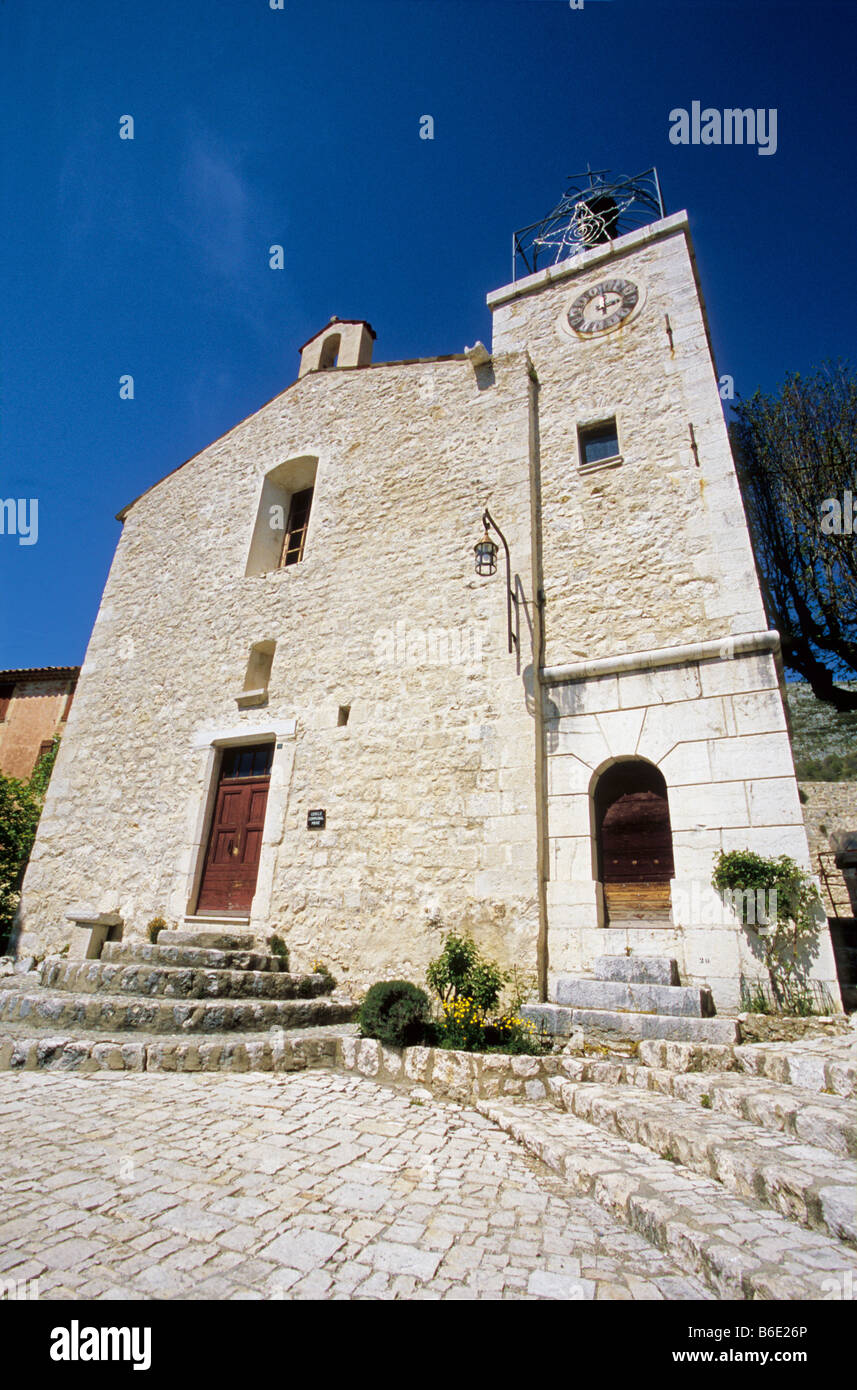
<point>511,597</point>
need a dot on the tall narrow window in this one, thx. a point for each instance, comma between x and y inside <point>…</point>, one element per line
<point>295,537</point>
<point>280,532</point>
<point>5,699</point>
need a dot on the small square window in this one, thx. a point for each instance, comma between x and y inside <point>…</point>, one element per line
<point>598,443</point>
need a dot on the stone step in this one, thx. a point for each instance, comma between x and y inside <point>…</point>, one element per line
<point>621,996</point>
<point>741,1249</point>
<point>561,1021</point>
<point>143,952</point>
<point>638,970</point>
<point>825,1122</point>
<point>175,982</point>
<point>55,1009</point>
<point>797,1179</point>
<point>211,938</point>
<point>829,1068</point>
<point>59,1052</point>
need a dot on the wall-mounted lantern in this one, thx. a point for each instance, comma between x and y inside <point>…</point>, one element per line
<point>486,564</point>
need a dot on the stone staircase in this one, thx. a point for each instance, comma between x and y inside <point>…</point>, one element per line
<point>739,1161</point>
<point>195,982</point>
<point>634,997</point>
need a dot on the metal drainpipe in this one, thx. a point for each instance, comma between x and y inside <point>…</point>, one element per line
<point>537,579</point>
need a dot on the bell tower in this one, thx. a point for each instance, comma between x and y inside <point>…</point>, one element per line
<point>342,343</point>
<point>665,739</point>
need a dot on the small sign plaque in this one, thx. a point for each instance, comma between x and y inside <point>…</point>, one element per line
<point>316,820</point>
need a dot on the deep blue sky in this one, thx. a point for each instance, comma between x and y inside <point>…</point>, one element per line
<point>301,127</point>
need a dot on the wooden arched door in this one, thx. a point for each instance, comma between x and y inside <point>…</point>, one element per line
<point>635,852</point>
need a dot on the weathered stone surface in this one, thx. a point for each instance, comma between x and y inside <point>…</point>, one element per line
<point>686,1215</point>
<point>173,982</point>
<point>164,953</point>
<point>670,1026</point>
<point>687,1001</point>
<point>650,970</point>
<point>786,1174</point>
<point>430,788</point>
<point>300,1187</point>
<point>106,1012</point>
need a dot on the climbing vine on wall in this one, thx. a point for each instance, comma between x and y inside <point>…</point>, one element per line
<point>20,808</point>
<point>779,905</point>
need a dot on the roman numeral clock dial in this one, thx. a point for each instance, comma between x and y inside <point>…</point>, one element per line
<point>603,307</point>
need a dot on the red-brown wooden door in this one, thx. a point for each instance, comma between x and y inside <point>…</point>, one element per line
<point>635,849</point>
<point>235,842</point>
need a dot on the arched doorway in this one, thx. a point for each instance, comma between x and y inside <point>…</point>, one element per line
<point>634,842</point>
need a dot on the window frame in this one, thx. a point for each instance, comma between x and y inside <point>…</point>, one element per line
<point>296,529</point>
<point>587,432</point>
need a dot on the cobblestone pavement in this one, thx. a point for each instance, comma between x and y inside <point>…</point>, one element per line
<point>311,1185</point>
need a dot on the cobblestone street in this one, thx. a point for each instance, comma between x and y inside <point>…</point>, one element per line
<point>311,1185</point>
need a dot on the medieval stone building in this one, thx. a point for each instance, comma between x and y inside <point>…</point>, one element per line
<point>303,710</point>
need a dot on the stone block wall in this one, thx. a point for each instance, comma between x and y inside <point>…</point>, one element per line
<point>717,731</point>
<point>830,809</point>
<point>429,789</point>
<point>653,552</point>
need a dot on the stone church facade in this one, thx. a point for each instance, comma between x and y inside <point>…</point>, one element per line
<point>299,709</point>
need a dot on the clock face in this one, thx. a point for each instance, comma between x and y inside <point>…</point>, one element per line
<point>603,307</point>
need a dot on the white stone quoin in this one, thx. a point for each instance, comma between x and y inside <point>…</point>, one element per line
<point>458,786</point>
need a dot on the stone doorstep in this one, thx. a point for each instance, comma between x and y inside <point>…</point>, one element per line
<point>637,970</point>
<point>107,978</point>
<point>561,1020</point>
<point>214,940</point>
<point>793,1178</point>
<point>164,953</point>
<point>682,1214</point>
<point>689,1001</point>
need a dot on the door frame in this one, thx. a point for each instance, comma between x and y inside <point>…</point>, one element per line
<point>595,840</point>
<point>206,754</point>
<point>254,783</point>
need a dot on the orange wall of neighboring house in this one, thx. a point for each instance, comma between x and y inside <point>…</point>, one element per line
<point>34,713</point>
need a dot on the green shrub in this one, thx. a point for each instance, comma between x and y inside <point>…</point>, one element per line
<point>278,947</point>
<point>469,988</point>
<point>395,1012</point>
<point>462,972</point>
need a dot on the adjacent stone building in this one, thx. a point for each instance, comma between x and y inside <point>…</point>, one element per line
<point>34,706</point>
<point>302,709</point>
